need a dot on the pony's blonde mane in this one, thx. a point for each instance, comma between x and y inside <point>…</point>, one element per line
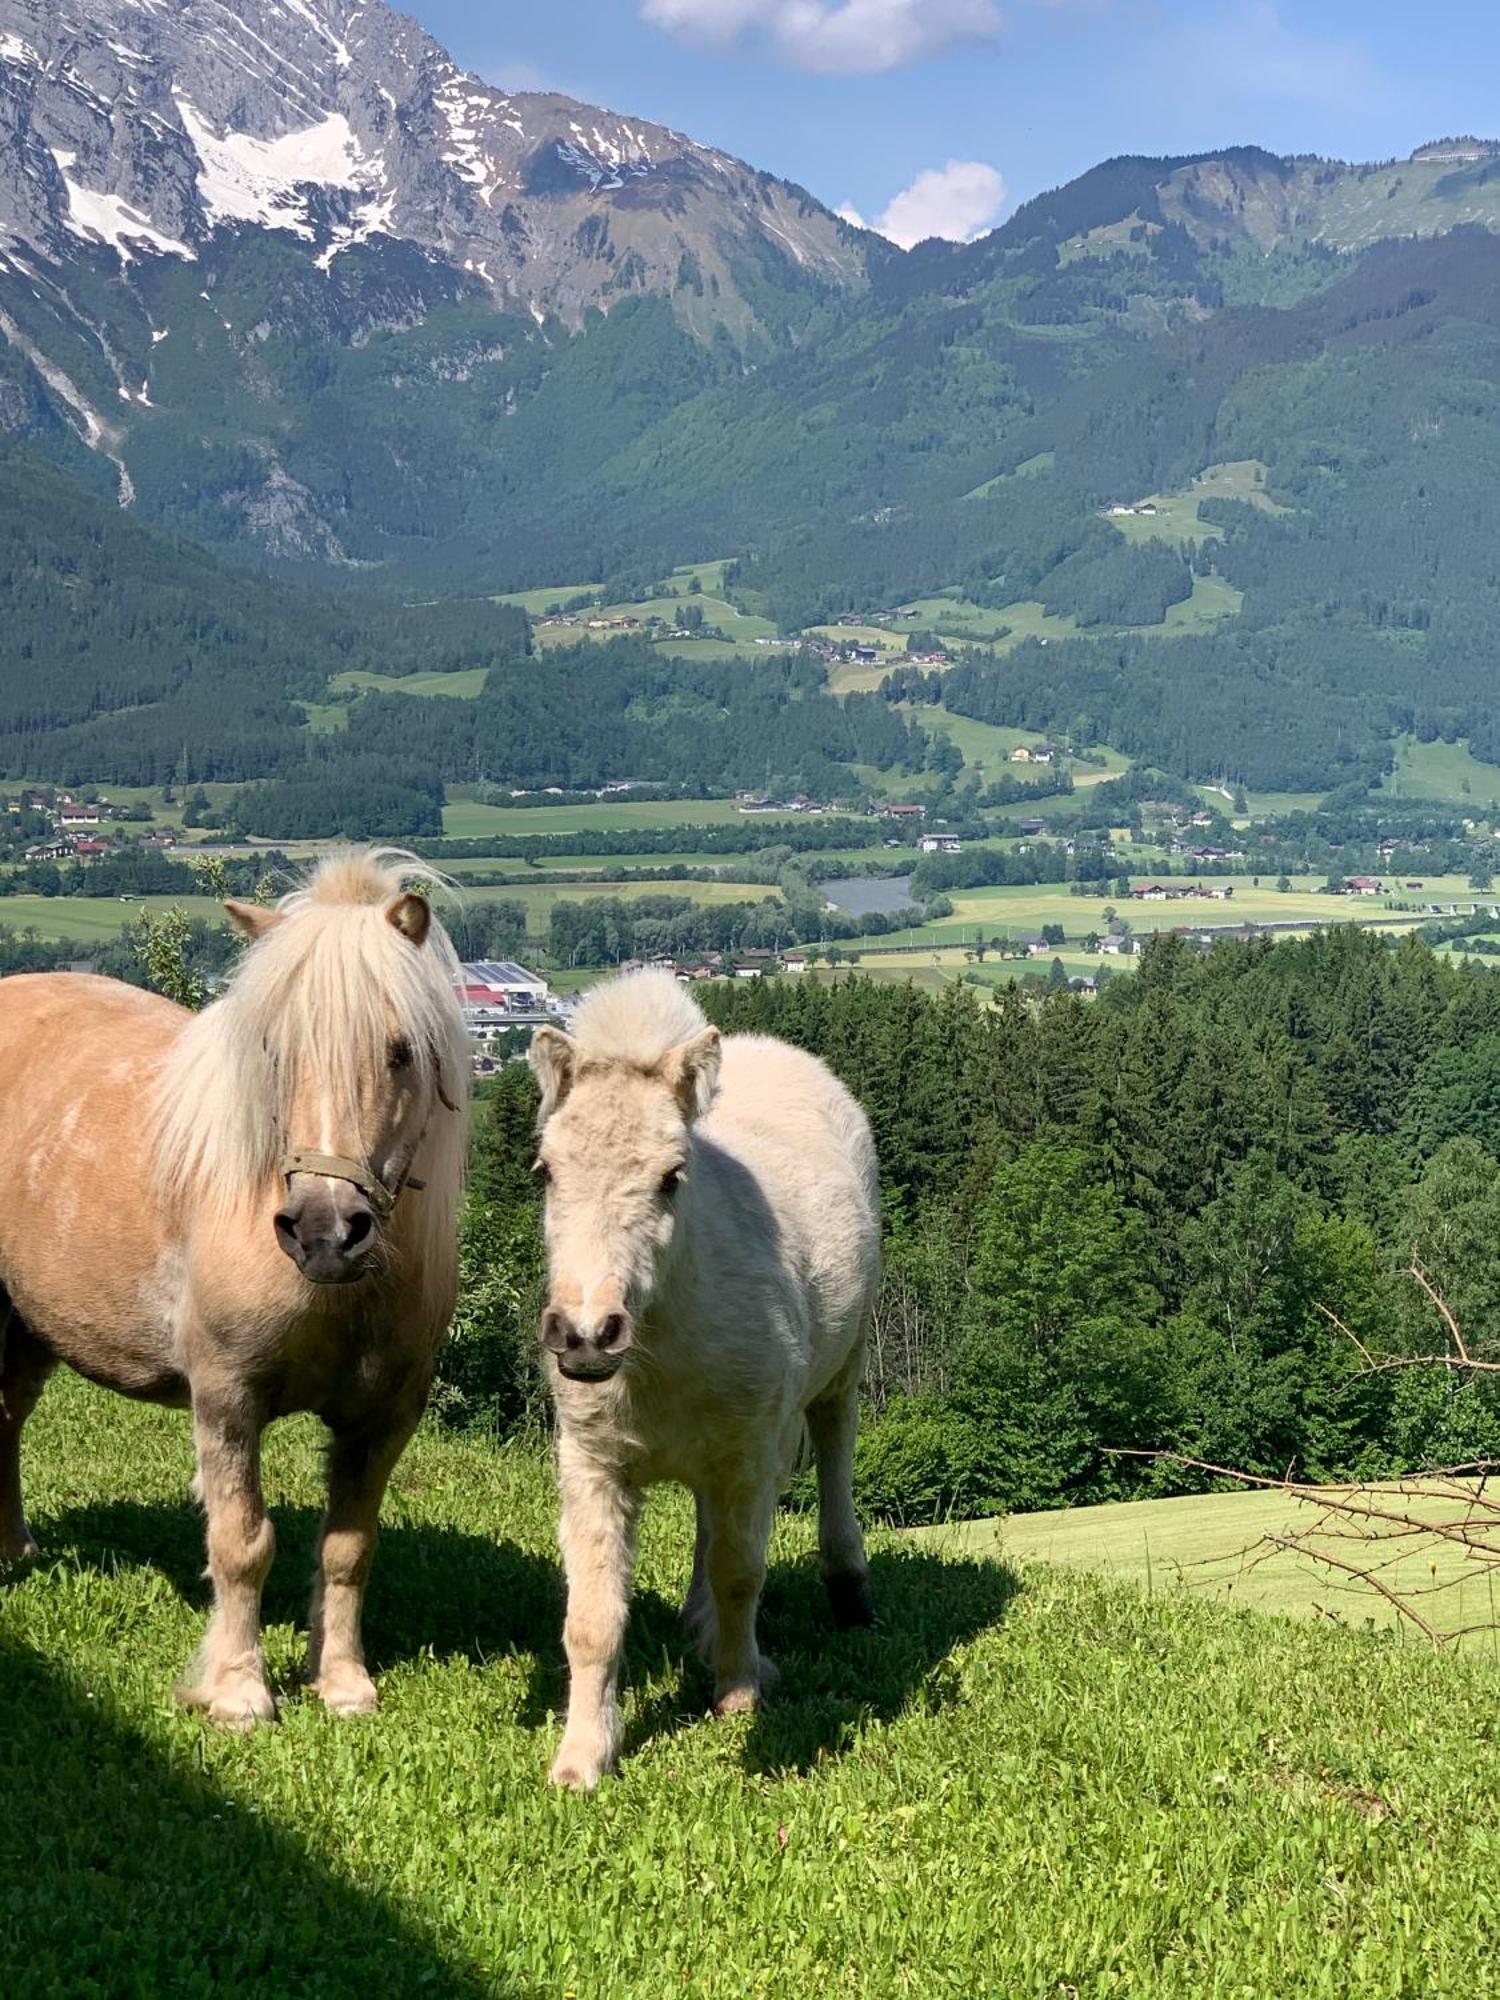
<point>326,988</point>
<point>636,1020</point>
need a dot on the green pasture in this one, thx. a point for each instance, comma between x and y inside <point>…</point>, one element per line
<point>537,603</point>
<point>1023,1781</point>
<point>1445,772</point>
<point>739,628</point>
<point>1177,518</point>
<point>464,684</point>
<point>90,919</point>
<point>1225,1546</point>
<point>1040,461</point>
<point>467,819</point>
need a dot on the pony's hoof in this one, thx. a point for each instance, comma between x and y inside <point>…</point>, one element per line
<point>347,1691</point>
<point>16,1549</point>
<point>849,1599</point>
<point>574,1773</point>
<point>738,1700</point>
<point>240,1707</point>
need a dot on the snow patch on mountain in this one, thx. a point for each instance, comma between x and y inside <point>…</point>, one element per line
<point>106,218</point>
<point>244,179</point>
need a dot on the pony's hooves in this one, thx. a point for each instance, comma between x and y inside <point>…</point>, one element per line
<point>575,1774</point>
<point>849,1599</point>
<point>240,1708</point>
<point>738,1701</point>
<point>347,1694</point>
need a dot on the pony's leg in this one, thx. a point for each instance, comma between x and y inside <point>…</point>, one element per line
<point>359,1466</point>
<point>228,1676</point>
<point>697,1606</point>
<point>740,1528</point>
<point>597,1534</point>
<point>24,1368</point>
<point>832,1423</point>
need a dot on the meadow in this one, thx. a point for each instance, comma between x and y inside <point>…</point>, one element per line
<point>468,819</point>
<point>1024,1781</point>
<point>1447,772</point>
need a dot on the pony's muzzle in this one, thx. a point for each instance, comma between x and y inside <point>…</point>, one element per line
<point>587,1352</point>
<point>329,1235</point>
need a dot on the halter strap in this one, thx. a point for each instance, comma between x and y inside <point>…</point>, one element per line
<point>334,1167</point>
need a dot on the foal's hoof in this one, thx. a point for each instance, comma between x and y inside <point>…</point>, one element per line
<point>347,1691</point>
<point>16,1549</point>
<point>574,1773</point>
<point>240,1706</point>
<point>849,1599</point>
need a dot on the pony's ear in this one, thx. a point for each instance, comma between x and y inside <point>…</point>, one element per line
<point>692,1070</point>
<point>252,920</point>
<point>552,1059</point>
<point>412,916</point>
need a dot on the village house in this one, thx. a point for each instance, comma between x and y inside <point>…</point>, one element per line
<point>1033,753</point>
<point>1363,885</point>
<point>72,815</point>
<point>940,843</point>
<point>900,809</point>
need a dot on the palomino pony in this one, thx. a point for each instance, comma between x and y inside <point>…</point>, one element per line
<point>248,1211</point>
<point>713,1238</point>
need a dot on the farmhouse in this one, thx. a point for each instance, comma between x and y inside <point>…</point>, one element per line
<point>1033,753</point>
<point>1363,885</point>
<point>885,809</point>
<point>940,843</point>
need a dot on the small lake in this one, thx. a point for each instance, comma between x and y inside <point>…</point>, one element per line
<point>869,895</point>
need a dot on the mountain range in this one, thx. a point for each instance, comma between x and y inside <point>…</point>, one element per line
<point>281,281</point>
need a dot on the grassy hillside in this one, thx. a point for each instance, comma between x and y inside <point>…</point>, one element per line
<point>1029,1783</point>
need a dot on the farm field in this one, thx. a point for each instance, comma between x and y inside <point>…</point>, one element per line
<point>1020,1782</point>
<point>741,867</point>
<point>540,897</point>
<point>1177,518</point>
<point>740,628</point>
<point>91,918</point>
<point>538,602</point>
<point>1203,1546</point>
<point>1008,910</point>
<point>467,819</point>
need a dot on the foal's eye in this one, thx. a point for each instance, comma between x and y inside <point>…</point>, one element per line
<point>542,1171</point>
<point>401,1053</point>
<point>671,1182</point>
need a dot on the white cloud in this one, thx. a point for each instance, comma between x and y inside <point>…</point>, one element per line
<point>959,201</point>
<point>836,37</point>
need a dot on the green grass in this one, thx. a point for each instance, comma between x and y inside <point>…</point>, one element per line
<point>1034,1785</point>
<point>466,819</point>
<point>1177,518</point>
<point>87,919</point>
<point>538,602</point>
<point>466,684</point>
<point>1220,1545</point>
<point>740,629</point>
<point>1445,772</point>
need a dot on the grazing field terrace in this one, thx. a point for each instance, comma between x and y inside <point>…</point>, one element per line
<point>1024,1780</point>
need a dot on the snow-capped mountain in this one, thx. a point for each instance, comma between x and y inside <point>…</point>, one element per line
<point>144,126</point>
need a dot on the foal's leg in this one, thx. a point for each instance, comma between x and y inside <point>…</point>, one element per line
<point>739,1530</point>
<point>697,1606</point>
<point>359,1465</point>
<point>24,1369</point>
<point>229,1673</point>
<point>832,1423</point>
<point>599,1514</point>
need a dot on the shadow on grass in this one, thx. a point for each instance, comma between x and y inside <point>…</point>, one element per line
<point>441,1590</point>
<point>124,1872</point>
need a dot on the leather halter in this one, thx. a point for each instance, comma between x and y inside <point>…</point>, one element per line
<point>334,1167</point>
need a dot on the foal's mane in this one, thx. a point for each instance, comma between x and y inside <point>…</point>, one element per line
<point>323,991</point>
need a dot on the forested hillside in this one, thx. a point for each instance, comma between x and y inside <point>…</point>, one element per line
<point>1119,1224</point>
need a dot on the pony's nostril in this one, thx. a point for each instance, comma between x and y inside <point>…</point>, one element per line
<point>358,1230</point>
<point>558,1332</point>
<point>286,1227</point>
<point>614,1333</point>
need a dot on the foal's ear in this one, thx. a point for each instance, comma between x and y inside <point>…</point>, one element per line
<point>412,916</point>
<point>552,1058</point>
<point>692,1070</point>
<point>252,920</point>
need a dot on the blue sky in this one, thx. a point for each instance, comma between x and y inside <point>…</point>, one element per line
<point>954,110</point>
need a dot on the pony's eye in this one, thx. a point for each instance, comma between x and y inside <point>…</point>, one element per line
<point>401,1053</point>
<point>542,1171</point>
<point>671,1182</point>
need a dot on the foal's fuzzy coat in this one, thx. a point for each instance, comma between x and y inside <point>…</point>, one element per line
<point>714,1242</point>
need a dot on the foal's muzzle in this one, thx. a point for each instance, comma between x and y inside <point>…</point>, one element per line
<point>587,1353</point>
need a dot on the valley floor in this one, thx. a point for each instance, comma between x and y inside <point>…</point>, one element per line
<point>1027,1782</point>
